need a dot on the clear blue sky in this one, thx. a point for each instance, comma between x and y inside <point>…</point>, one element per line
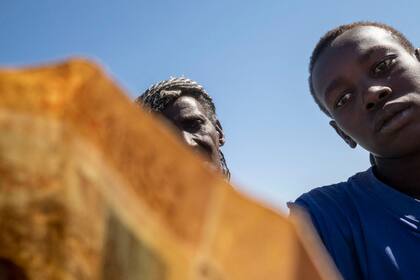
<point>251,56</point>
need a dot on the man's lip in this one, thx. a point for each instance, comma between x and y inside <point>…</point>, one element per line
<point>388,112</point>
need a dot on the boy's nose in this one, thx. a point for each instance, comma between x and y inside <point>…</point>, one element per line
<point>376,94</point>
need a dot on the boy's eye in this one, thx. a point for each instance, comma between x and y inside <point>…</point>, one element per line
<point>343,100</point>
<point>384,66</point>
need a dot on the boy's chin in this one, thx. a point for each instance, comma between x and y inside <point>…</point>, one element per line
<point>403,140</point>
<point>401,147</point>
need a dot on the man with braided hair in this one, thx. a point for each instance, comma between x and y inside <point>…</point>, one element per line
<point>191,110</point>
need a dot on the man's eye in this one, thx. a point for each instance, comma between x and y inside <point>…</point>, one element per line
<point>192,125</point>
<point>343,100</point>
<point>384,66</point>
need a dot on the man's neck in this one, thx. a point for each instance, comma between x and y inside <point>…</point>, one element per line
<point>402,174</point>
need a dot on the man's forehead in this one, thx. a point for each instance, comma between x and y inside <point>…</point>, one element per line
<point>188,105</point>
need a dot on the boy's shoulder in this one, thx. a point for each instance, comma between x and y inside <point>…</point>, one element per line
<point>336,195</point>
<point>336,209</point>
<point>361,222</point>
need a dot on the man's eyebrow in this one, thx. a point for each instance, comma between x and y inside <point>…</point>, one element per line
<point>191,116</point>
<point>366,56</point>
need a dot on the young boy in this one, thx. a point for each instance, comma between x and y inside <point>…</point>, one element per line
<point>366,77</point>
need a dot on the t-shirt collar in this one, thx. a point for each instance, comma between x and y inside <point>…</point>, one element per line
<point>401,204</point>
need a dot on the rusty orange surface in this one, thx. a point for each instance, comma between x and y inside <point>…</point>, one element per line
<point>91,187</point>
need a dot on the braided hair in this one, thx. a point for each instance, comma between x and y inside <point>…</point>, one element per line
<point>160,95</point>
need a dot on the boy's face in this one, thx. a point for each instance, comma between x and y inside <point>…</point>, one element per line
<point>370,84</point>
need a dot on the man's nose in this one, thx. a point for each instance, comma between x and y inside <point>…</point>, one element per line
<point>188,139</point>
<point>376,94</point>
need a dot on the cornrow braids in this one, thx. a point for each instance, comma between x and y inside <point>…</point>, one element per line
<point>326,41</point>
<point>160,95</point>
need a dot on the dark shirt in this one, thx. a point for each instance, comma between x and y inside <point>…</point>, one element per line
<point>370,230</point>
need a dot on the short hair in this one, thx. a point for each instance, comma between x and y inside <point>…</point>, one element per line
<point>329,37</point>
<point>160,95</point>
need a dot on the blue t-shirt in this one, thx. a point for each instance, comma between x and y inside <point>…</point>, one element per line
<point>371,230</point>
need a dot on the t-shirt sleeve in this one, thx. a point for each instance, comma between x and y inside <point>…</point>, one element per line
<point>328,213</point>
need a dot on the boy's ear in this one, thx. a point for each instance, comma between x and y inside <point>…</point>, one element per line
<point>417,53</point>
<point>349,141</point>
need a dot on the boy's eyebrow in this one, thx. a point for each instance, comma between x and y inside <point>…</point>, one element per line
<point>366,56</point>
<point>335,83</point>
<point>363,58</point>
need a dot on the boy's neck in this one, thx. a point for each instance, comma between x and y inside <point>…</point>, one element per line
<point>402,174</point>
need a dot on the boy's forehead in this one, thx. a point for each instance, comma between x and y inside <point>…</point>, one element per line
<point>364,36</point>
<point>346,49</point>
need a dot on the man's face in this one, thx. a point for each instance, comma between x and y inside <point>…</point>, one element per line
<point>370,84</point>
<point>196,129</point>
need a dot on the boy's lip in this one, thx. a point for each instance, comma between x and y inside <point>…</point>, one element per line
<point>391,116</point>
